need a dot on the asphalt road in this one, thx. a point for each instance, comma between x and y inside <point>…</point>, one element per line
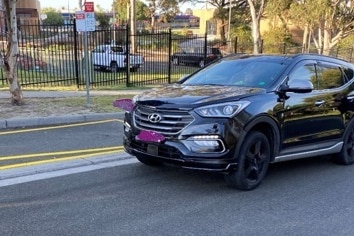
<point>307,197</point>
<point>54,142</point>
<point>124,197</point>
<point>106,133</point>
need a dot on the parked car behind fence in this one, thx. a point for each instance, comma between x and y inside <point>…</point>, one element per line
<point>196,56</point>
<point>114,58</point>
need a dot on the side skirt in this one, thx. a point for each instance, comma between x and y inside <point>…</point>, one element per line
<point>336,148</point>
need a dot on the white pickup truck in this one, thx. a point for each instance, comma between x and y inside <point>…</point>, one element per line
<point>113,57</point>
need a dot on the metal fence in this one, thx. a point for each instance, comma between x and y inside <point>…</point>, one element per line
<point>53,55</point>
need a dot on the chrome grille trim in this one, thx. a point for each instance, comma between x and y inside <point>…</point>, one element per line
<point>173,121</point>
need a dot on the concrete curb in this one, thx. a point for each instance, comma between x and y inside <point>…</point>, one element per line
<point>57,120</point>
<point>44,171</point>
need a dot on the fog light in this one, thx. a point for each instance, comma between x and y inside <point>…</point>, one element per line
<point>205,144</point>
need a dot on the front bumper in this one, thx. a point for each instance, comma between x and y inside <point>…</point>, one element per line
<point>170,154</point>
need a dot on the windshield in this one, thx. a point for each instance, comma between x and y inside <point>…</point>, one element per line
<point>239,72</point>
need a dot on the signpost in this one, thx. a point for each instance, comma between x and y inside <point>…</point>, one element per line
<point>85,21</point>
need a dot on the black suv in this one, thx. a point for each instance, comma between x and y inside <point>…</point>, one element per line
<point>241,113</point>
<point>198,56</point>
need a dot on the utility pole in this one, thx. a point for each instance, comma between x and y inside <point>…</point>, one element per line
<point>133,24</point>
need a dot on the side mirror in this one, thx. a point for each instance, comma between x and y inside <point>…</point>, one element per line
<point>297,86</point>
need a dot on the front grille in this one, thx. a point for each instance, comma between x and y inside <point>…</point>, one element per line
<point>172,121</point>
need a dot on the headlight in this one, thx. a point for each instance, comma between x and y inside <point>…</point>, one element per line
<point>222,110</point>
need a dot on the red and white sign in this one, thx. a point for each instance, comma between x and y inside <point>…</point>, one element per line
<point>85,21</point>
<point>80,16</point>
<point>89,7</point>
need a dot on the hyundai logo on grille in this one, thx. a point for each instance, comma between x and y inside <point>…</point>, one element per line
<point>154,118</point>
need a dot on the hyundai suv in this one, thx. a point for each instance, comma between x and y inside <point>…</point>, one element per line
<point>241,113</point>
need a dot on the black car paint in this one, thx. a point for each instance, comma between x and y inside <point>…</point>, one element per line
<point>295,124</point>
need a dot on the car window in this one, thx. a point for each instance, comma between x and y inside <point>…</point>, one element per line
<point>117,49</point>
<point>349,73</point>
<point>305,72</point>
<point>331,76</point>
<point>245,73</point>
<point>98,49</point>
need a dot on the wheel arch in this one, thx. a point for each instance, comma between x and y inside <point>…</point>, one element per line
<point>268,127</point>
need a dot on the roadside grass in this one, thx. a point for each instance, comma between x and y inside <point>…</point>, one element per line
<point>98,104</point>
<point>43,107</point>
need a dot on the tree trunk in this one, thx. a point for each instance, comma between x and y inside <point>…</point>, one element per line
<point>256,35</point>
<point>152,23</point>
<point>305,40</point>
<point>222,32</point>
<point>10,59</point>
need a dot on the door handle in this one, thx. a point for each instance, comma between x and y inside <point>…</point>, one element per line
<point>319,103</point>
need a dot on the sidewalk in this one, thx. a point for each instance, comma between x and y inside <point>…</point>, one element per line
<point>61,119</point>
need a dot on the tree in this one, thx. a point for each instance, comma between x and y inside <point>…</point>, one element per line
<point>120,8</point>
<point>102,18</point>
<point>221,14</point>
<point>256,10</point>
<point>53,17</point>
<point>10,58</point>
<point>166,8</point>
<point>327,22</point>
<point>142,11</point>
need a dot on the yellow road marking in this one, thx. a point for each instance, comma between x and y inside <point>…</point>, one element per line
<point>5,158</point>
<point>60,126</point>
<point>51,160</point>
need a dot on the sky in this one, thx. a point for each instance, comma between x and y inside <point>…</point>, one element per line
<point>72,4</point>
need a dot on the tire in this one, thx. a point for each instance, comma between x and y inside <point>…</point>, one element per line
<point>114,67</point>
<point>346,155</point>
<point>148,161</point>
<point>201,63</point>
<point>175,61</point>
<point>253,162</point>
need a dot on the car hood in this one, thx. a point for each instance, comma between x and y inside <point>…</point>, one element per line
<point>178,95</point>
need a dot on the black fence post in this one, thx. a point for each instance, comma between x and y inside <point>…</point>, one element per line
<point>169,54</point>
<point>76,51</point>
<point>235,47</point>
<point>351,55</point>
<point>205,46</point>
<point>127,56</point>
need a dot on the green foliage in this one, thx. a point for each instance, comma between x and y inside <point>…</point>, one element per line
<point>53,17</point>
<point>243,33</point>
<point>103,20</point>
<point>348,42</point>
<point>120,8</point>
<point>276,39</point>
<point>142,11</point>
